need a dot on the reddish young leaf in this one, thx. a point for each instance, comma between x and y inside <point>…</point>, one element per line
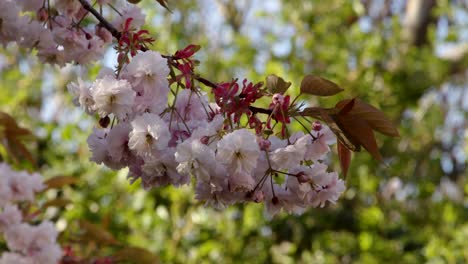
<point>358,131</point>
<point>60,181</point>
<point>319,86</point>
<point>136,255</point>
<point>96,233</point>
<point>163,3</point>
<point>347,107</point>
<point>57,202</point>
<point>348,142</point>
<point>344,156</point>
<point>12,137</point>
<point>374,117</point>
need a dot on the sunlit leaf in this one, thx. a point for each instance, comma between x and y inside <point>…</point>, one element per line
<point>374,117</point>
<point>319,86</point>
<point>359,132</point>
<point>136,255</point>
<point>276,84</point>
<point>60,181</point>
<point>58,202</point>
<point>329,119</point>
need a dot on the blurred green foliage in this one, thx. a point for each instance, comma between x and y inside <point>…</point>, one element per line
<point>365,52</point>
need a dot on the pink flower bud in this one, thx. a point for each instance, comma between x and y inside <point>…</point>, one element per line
<point>264,144</point>
<point>278,99</point>
<point>103,34</point>
<point>258,196</point>
<point>316,126</point>
<point>42,14</point>
<point>205,140</point>
<point>302,178</point>
<point>122,58</point>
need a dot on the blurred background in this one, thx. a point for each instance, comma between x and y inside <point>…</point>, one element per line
<point>408,58</point>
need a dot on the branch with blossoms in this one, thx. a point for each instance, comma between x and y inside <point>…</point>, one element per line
<point>156,120</point>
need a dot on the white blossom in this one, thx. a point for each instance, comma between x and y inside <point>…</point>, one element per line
<point>150,133</point>
<point>239,151</point>
<point>195,159</point>
<point>113,96</point>
<point>328,187</point>
<point>82,95</point>
<point>149,70</point>
<point>131,11</point>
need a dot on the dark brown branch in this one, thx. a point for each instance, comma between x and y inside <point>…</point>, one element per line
<point>102,21</point>
<point>260,110</point>
<point>116,34</point>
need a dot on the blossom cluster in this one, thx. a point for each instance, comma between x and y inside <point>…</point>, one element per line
<point>168,135</point>
<point>163,127</point>
<point>57,31</point>
<point>28,244</point>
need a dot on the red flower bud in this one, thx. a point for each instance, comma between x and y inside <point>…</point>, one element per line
<point>42,14</point>
<point>275,200</point>
<point>316,126</point>
<point>205,140</point>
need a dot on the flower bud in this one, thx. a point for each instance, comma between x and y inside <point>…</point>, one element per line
<point>204,140</point>
<point>258,196</point>
<point>316,126</point>
<point>42,14</point>
<point>103,34</point>
<point>275,200</point>
<point>104,122</point>
<point>302,177</point>
<point>278,99</point>
<point>264,144</point>
<point>122,58</point>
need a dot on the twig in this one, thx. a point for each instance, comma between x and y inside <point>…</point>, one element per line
<point>101,19</point>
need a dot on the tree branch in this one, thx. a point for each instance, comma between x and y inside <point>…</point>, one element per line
<point>116,34</point>
<point>106,24</point>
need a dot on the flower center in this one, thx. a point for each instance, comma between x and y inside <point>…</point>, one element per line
<point>112,99</point>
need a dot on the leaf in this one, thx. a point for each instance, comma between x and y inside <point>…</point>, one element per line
<point>347,107</point>
<point>319,86</point>
<point>57,202</point>
<point>96,233</point>
<point>11,128</point>
<point>163,3</point>
<point>374,117</point>
<point>344,155</point>
<point>12,137</point>
<point>359,132</point>
<point>60,181</point>
<point>136,255</point>
<point>315,112</point>
<point>276,84</point>
<point>342,137</point>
